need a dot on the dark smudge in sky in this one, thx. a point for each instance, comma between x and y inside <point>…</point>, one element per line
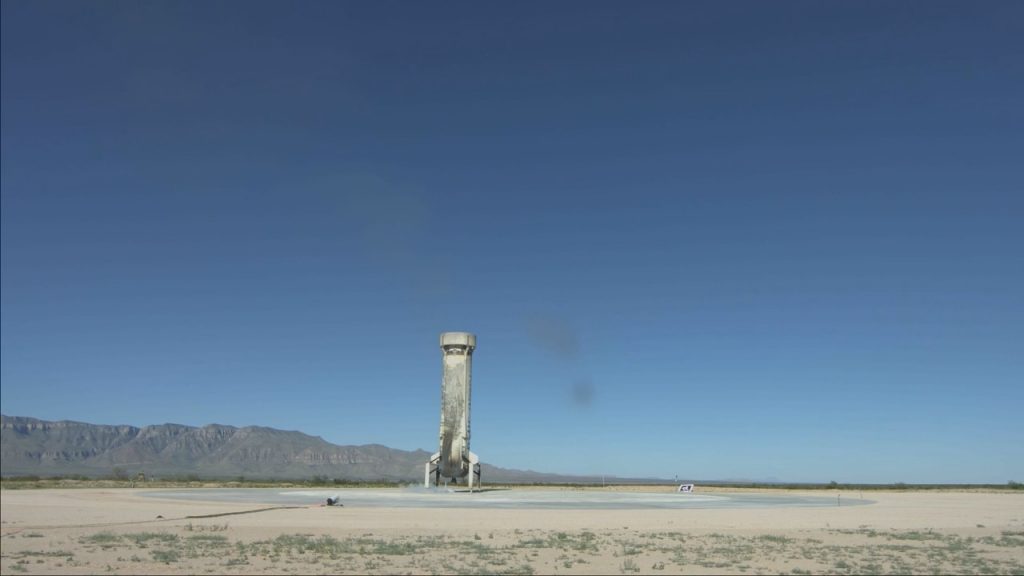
<point>557,337</point>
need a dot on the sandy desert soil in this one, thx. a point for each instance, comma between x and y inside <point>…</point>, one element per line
<point>89,531</point>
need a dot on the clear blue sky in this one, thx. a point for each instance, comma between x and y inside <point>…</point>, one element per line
<point>712,240</point>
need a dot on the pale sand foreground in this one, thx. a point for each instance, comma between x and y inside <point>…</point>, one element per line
<point>118,531</point>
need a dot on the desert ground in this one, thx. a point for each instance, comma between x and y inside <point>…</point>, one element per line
<point>89,531</point>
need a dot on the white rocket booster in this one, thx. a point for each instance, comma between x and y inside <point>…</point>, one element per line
<point>453,459</point>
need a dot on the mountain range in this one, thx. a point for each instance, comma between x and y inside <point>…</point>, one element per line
<point>29,446</point>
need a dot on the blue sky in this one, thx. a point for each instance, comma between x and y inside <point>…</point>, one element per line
<point>713,240</point>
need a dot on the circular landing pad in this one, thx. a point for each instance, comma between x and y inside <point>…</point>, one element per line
<point>509,498</point>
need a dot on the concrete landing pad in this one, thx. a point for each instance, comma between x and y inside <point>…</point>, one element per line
<point>504,498</point>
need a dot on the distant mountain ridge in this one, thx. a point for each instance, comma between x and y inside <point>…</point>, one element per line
<point>29,446</point>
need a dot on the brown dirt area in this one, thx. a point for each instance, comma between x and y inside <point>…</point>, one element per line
<point>89,531</point>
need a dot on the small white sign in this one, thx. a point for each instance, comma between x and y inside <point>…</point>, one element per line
<point>686,487</point>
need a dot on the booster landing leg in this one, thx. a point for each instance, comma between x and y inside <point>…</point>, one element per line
<point>432,465</point>
<point>474,471</point>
